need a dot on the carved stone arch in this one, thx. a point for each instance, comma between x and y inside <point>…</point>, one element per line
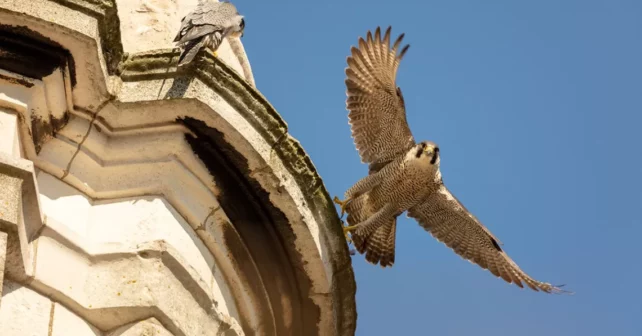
<point>142,197</point>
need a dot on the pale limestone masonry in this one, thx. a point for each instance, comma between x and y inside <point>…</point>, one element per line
<point>141,199</point>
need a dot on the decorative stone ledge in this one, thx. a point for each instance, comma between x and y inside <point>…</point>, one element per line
<point>175,196</point>
<point>20,215</point>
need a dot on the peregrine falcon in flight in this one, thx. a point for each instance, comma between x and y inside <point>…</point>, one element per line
<point>206,26</point>
<point>404,175</point>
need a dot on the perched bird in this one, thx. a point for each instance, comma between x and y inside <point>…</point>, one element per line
<point>206,26</point>
<point>404,175</point>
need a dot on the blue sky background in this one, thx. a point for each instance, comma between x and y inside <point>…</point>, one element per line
<point>537,108</point>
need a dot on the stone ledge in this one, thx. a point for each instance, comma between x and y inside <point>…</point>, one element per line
<point>20,214</point>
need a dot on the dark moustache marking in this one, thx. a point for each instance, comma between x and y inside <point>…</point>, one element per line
<point>421,149</point>
<point>434,156</point>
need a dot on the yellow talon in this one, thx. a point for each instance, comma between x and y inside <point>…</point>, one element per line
<point>342,204</point>
<point>346,231</point>
<point>215,54</point>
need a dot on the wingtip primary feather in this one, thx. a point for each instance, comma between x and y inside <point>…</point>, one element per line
<point>557,289</point>
<point>386,37</point>
<point>190,52</point>
<point>403,52</point>
<point>398,41</point>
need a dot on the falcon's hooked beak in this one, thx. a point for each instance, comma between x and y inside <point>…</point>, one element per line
<point>434,151</point>
<point>430,149</point>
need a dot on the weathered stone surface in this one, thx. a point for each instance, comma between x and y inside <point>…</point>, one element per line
<point>9,129</point>
<point>172,197</point>
<point>23,312</point>
<point>153,24</point>
<point>3,258</point>
<point>147,327</point>
<point>10,199</point>
<point>67,323</point>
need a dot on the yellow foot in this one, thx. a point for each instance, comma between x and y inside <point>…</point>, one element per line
<point>346,231</point>
<point>215,54</point>
<point>342,204</point>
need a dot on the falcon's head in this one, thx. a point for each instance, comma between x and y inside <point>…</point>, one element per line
<point>238,28</point>
<point>427,150</point>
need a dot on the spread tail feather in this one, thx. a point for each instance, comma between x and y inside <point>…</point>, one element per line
<point>378,246</point>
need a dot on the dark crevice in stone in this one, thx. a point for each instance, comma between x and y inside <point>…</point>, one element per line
<point>31,54</point>
<point>42,130</point>
<point>264,229</point>
<point>16,81</point>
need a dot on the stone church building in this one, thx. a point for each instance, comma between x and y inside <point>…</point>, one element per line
<point>141,199</point>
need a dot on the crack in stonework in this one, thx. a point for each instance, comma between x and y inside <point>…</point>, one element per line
<point>210,214</point>
<point>51,318</point>
<point>91,124</point>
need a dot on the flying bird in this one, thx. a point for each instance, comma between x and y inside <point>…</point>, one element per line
<point>206,26</point>
<point>403,175</point>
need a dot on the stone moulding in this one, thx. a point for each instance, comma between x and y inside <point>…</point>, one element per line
<point>295,266</point>
<point>106,14</point>
<point>240,95</point>
<point>160,65</point>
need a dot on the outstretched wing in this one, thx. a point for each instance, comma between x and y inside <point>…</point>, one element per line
<point>446,219</point>
<point>377,113</point>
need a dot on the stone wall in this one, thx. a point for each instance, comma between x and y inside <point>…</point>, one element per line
<point>141,199</point>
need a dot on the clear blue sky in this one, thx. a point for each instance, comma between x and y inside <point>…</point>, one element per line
<point>537,108</point>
